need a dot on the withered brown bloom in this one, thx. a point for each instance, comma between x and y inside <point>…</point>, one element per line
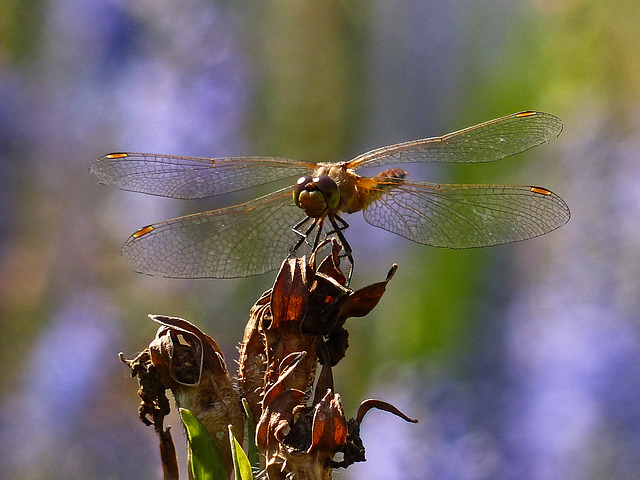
<point>294,337</point>
<point>188,362</point>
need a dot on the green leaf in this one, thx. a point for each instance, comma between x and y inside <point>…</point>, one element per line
<point>252,449</point>
<point>241,465</point>
<point>205,461</point>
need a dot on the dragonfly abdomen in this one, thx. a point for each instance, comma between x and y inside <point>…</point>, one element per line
<point>380,184</point>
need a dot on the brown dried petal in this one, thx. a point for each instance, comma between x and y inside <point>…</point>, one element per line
<point>276,417</point>
<point>283,336</point>
<point>329,431</point>
<point>370,403</point>
<point>182,350</point>
<point>362,301</point>
<point>353,449</point>
<point>330,266</point>
<point>326,300</point>
<point>325,378</point>
<point>290,293</point>
<point>252,360</point>
<point>288,366</point>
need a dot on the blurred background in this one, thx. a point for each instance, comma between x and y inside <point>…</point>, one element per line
<point>521,361</point>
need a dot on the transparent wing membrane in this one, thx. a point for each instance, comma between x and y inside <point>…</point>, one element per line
<point>192,177</point>
<point>467,216</point>
<point>255,237</point>
<point>487,142</point>
<point>231,242</point>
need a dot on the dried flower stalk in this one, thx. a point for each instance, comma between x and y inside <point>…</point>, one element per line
<point>294,337</point>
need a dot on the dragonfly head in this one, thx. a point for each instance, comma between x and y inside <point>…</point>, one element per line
<point>316,195</point>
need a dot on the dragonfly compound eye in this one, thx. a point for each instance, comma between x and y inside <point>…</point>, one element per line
<point>301,186</point>
<point>316,195</point>
<point>329,189</point>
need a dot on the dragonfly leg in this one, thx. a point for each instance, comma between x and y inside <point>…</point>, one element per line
<point>339,224</point>
<point>304,235</point>
<point>319,222</point>
<point>297,226</point>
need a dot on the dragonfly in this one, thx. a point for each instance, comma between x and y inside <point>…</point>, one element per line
<point>254,237</point>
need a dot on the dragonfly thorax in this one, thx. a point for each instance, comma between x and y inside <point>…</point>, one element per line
<point>316,195</point>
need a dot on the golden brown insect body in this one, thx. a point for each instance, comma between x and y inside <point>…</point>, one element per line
<point>352,192</point>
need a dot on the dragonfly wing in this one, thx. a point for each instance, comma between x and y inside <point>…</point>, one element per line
<point>238,241</point>
<point>485,142</point>
<point>466,216</point>
<point>192,177</point>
